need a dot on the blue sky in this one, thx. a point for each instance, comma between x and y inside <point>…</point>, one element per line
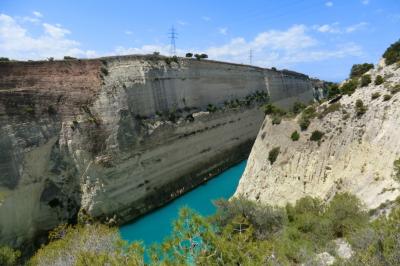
<point>317,37</point>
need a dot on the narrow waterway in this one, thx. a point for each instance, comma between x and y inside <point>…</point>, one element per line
<point>155,226</point>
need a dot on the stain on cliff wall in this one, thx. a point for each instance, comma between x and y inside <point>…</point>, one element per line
<point>122,135</point>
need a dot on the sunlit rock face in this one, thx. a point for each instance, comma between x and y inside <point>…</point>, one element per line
<point>116,137</point>
<point>356,153</point>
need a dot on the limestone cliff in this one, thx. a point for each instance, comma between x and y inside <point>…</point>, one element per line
<point>119,136</point>
<point>356,153</point>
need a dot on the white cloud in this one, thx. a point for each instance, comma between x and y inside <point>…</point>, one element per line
<point>128,32</point>
<point>329,4</point>
<point>55,31</point>
<point>205,18</point>
<point>223,31</point>
<point>328,28</point>
<point>336,29</point>
<point>356,27</point>
<point>37,14</point>
<point>365,2</point>
<point>281,48</point>
<point>17,43</point>
<point>182,23</point>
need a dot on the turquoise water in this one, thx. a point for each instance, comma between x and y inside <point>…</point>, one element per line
<point>155,226</point>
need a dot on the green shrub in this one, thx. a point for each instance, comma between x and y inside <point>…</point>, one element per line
<point>330,109</point>
<point>346,215</point>
<point>387,97</point>
<point>396,167</point>
<point>306,116</point>
<point>316,135</point>
<point>359,69</point>
<point>189,55</point>
<point>104,71</point>
<point>273,154</point>
<point>4,59</point>
<point>88,245</point>
<point>295,136</point>
<point>276,119</point>
<point>379,80</point>
<point>360,108</point>
<point>298,107</point>
<point>365,80</point>
<point>392,54</point>
<point>266,219</point>
<point>9,256</point>
<point>211,108</point>
<point>333,90</point>
<point>395,89</point>
<point>69,58</point>
<point>375,95</point>
<point>349,87</point>
<point>270,109</point>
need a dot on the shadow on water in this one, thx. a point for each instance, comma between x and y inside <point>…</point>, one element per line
<point>156,225</point>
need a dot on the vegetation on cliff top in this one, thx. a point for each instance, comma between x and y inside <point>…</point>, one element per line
<point>392,54</point>
<point>241,232</point>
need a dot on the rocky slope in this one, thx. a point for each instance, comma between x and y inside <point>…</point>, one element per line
<point>116,137</point>
<point>356,153</point>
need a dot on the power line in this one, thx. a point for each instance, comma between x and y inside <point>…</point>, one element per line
<point>173,35</point>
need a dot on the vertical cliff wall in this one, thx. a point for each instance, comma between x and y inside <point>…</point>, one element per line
<point>119,136</point>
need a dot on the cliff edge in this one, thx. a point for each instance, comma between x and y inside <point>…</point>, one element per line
<point>351,144</point>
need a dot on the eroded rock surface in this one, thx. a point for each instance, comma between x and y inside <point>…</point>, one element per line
<point>356,153</point>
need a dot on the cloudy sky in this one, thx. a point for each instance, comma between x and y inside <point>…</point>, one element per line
<point>319,38</point>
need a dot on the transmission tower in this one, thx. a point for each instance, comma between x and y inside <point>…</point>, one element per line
<point>251,56</point>
<point>173,35</point>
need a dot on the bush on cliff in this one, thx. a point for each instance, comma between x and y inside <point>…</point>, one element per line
<point>359,69</point>
<point>88,245</point>
<point>298,107</point>
<point>295,136</point>
<point>316,135</point>
<point>332,90</point>
<point>365,80</point>
<point>273,154</point>
<point>349,87</point>
<point>306,116</point>
<point>9,256</point>
<point>360,108</point>
<point>270,109</point>
<point>392,54</point>
<point>379,80</point>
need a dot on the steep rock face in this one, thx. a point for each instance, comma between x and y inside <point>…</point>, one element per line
<point>356,153</point>
<point>119,136</point>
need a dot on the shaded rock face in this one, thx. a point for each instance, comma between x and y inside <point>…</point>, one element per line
<point>356,153</point>
<point>120,136</point>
